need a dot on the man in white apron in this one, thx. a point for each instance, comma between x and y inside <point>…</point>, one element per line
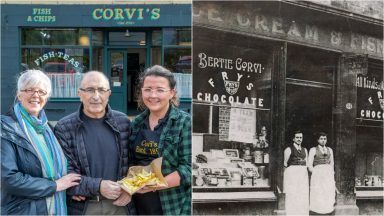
<point>296,177</point>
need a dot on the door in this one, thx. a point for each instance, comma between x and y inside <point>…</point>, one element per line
<point>117,72</point>
<point>124,69</point>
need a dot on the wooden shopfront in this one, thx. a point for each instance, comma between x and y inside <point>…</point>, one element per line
<point>262,72</point>
<point>121,40</point>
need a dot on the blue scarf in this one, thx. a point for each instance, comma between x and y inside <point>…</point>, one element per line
<point>49,152</point>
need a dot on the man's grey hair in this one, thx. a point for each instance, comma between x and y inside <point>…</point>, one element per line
<point>34,78</point>
<point>89,73</point>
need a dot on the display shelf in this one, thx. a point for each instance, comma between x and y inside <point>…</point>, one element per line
<point>369,192</point>
<point>213,197</point>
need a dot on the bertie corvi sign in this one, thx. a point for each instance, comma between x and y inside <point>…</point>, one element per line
<point>229,80</point>
<point>239,76</point>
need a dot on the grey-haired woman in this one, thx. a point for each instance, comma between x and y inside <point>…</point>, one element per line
<point>33,167</point>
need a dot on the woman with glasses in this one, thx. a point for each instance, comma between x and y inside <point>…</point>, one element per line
<point>33,167</point>
<point>162,130</point>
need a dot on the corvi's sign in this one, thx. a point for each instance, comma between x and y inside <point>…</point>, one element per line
<point>125,15</point>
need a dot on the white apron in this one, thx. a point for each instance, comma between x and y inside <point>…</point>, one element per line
<point>296,190</point>
<point>323,189</point>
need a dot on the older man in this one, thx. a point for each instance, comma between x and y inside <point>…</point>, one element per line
<point>95,141</point>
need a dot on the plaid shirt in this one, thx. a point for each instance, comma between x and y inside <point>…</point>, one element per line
<point>175,148</point>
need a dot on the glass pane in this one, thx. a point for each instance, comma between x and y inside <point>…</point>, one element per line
<point>178,60</point>
<point>156,38</point>
<point>127,38</point>
<point>311,64</point>
<point>181,36</point>
<point>232,115</point>
<point>97,38</point>
<point>183,85</point>
<point>65,67</point>
<point>117,68</point>
<point>55,36</point>
<point>97,63</point>
<point>156,56</point>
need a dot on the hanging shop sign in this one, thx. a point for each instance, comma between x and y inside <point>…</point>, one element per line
<point>255,21</point>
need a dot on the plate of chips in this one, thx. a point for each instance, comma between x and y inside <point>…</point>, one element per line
<point>141,176</point>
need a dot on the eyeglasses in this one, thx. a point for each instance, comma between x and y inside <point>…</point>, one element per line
<point>92,91</point>
<point>148,91</point>
<point>31,92</point>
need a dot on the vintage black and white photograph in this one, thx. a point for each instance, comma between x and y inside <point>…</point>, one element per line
<point>296,89</point>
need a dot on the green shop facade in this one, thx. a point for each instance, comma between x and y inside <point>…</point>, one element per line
<point>121,40</point>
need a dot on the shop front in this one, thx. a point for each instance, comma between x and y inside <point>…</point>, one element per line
<point>260,73</point>
<point>121,40</point>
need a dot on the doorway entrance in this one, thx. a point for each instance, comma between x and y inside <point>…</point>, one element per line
<point>310,94</point>
<point>124,68</point>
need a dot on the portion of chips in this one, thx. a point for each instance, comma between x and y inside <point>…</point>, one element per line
<point>138,181</point>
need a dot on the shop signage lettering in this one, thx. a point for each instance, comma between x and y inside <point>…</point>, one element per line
<point>240,65</point>
<point>125,15</point>
<point>41,15</point>
<point>366,82</point>
<point>54,54</point>
<point>237,74</point>
<point>255,22</point>
<point>370,98</point>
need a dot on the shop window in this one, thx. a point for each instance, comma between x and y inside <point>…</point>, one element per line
<point>177,36</point>
<point>369,131</point>
<point>156,38</point>
<point>97,38</point>
<point>231,112</point>
<point>50,37</point>
<point>312,64</point>
<point>178,60</point>
<point>97,58</point>
<point>156,56</point>
<point>127,38</point>
<point>65,67</point>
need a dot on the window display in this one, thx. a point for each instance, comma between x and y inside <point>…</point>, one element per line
<point>369,131</point>
<point>232,113</point>
<point>64,65</point>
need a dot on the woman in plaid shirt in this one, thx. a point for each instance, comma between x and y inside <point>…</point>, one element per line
<point>162,130</point>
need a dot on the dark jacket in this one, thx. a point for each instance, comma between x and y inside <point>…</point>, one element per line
<point>23,187</point>
<point>69,132</point>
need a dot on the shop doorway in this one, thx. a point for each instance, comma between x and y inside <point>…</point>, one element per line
<point>309,109</point>
<point>124,68</point>
<point>310,94</point>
